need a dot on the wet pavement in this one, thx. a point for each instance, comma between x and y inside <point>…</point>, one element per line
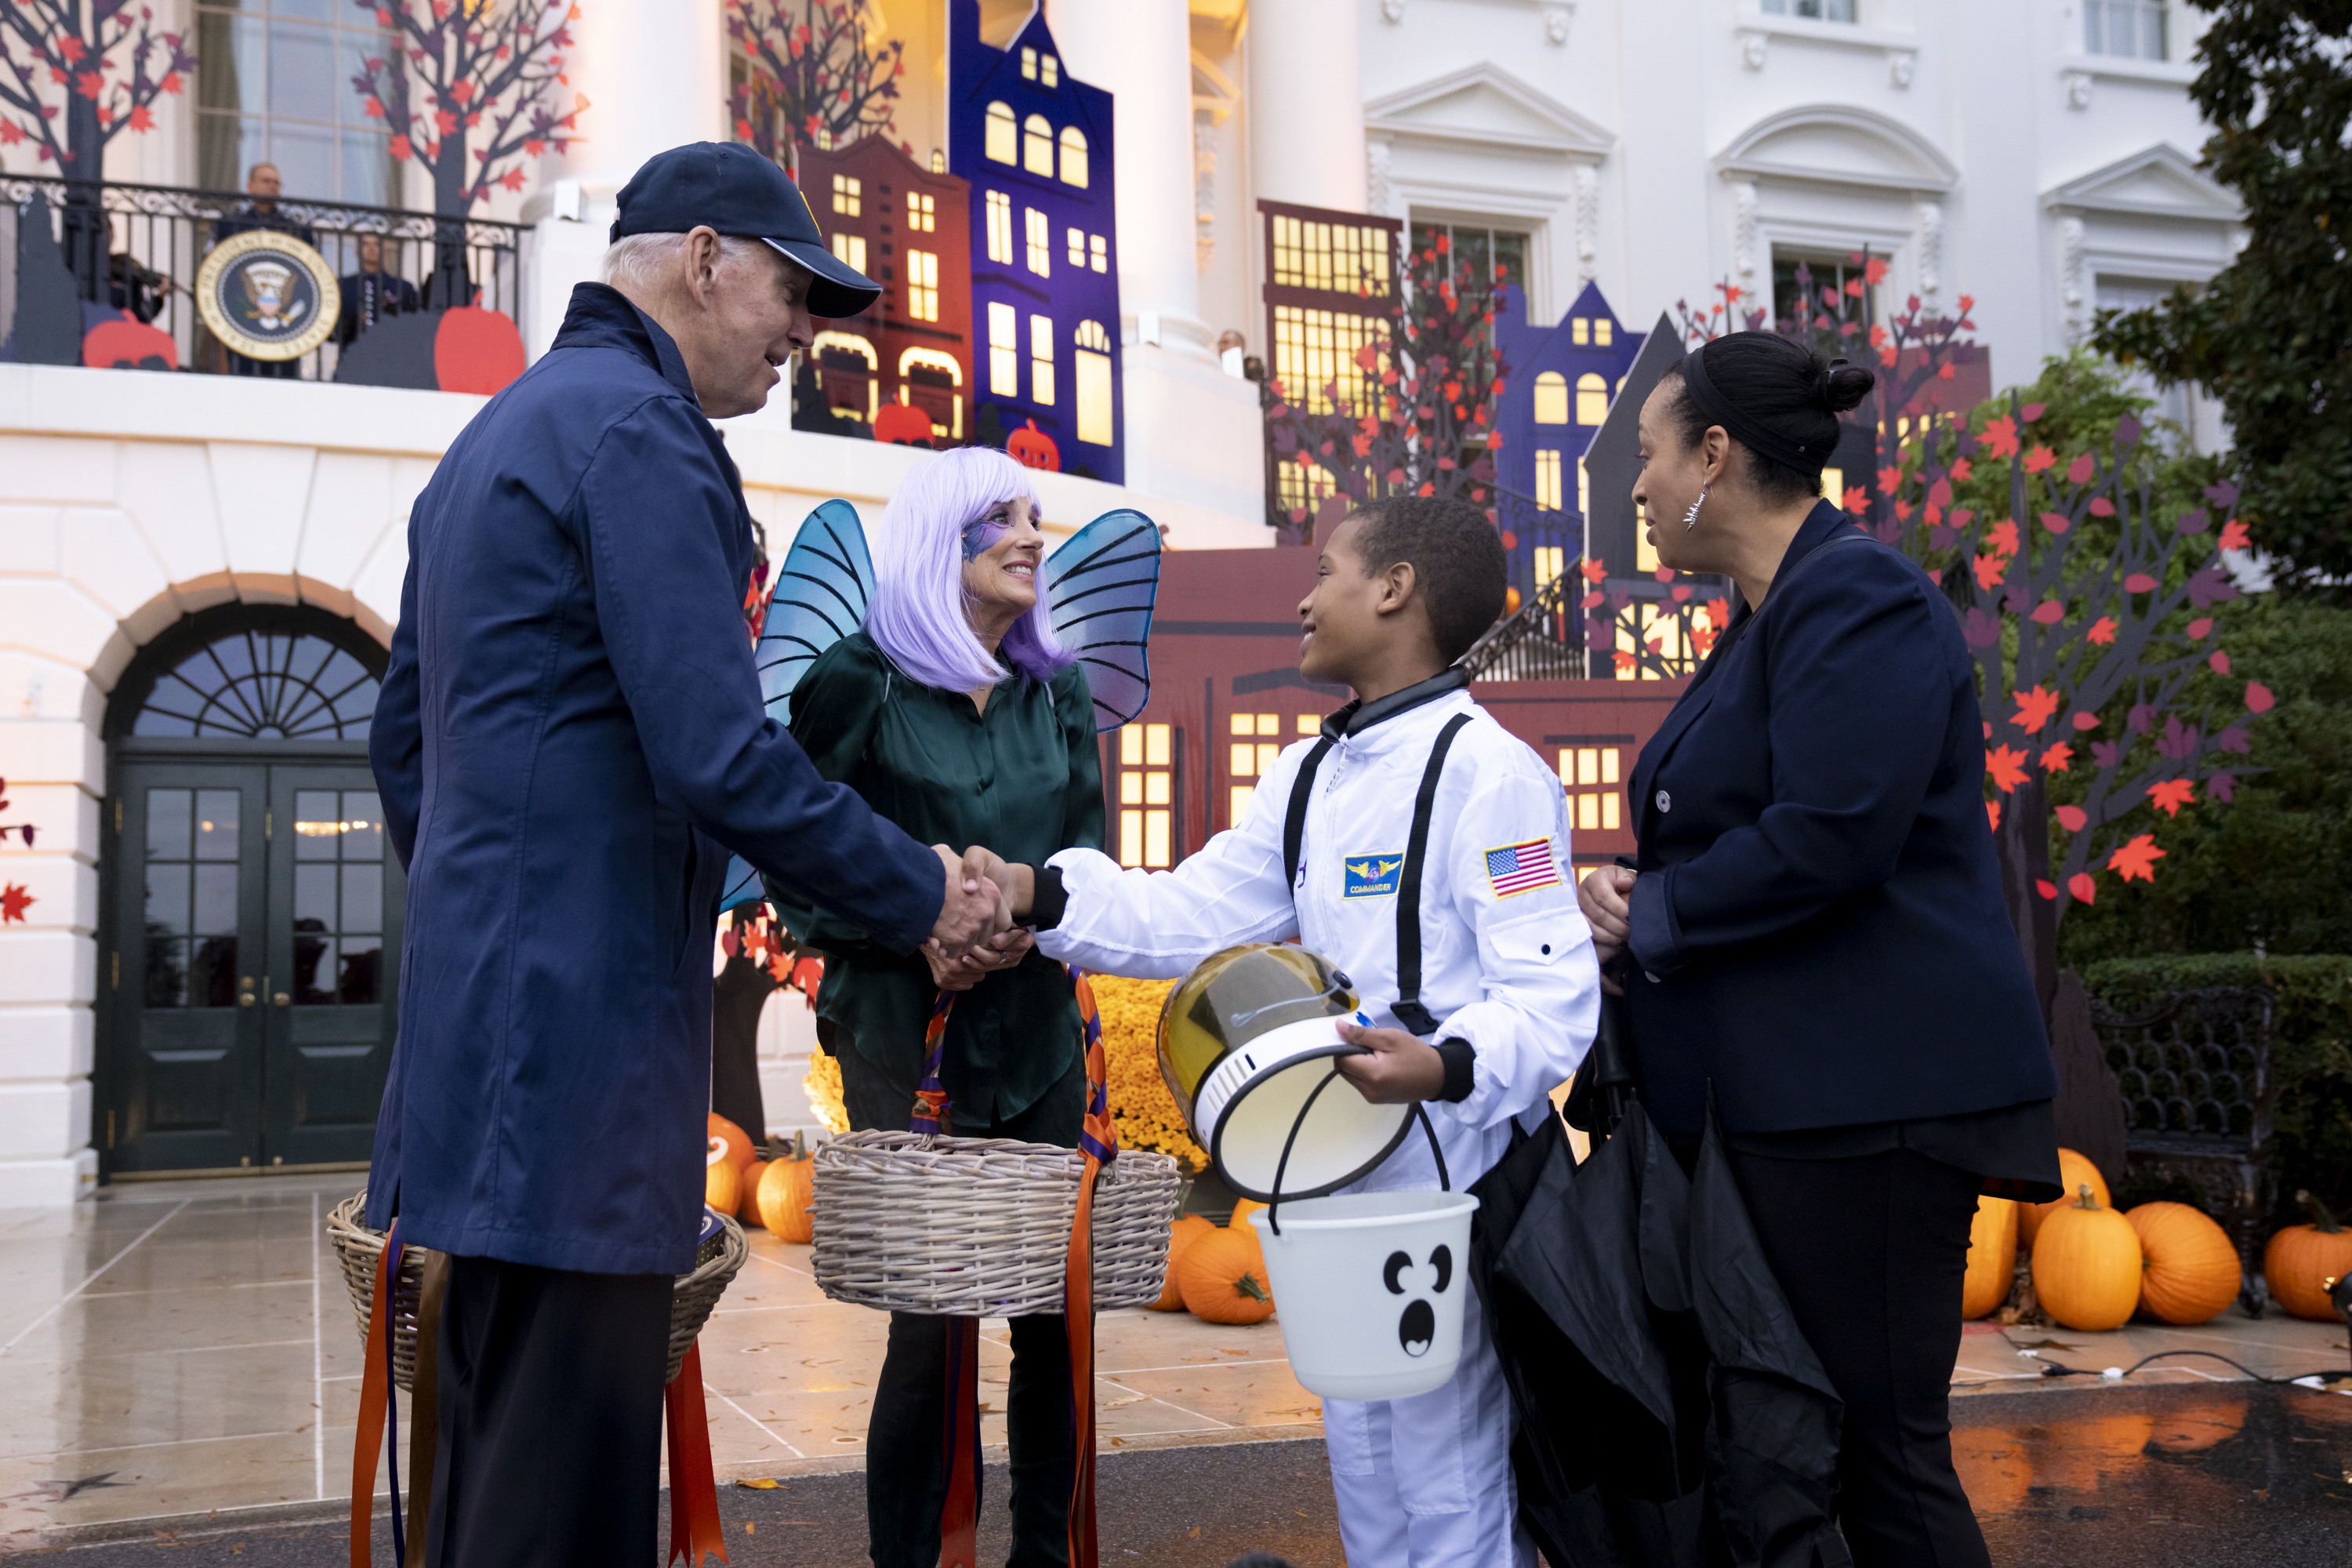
<point>178,1370</point>
<point>2168,1477</point>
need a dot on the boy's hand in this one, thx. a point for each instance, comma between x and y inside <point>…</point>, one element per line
<point>1400,1069</point>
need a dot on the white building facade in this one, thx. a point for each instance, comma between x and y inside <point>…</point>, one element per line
<point>2037,155</point>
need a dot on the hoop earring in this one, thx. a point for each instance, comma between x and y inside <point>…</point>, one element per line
<point>1690,518</point>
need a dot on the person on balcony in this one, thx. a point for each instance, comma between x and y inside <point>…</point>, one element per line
<point>262,186</point>
<point>371,293</point>
<point>569,742</point>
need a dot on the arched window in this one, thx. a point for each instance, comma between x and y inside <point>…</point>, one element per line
<point>1592,399</point>
<point>1073,156</point>
<point>1037,145</point>
<point>1003,135</point>
<point>1551,398</point>
<point>262,683</point>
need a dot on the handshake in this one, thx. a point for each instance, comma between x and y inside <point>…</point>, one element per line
<point>975,936</point>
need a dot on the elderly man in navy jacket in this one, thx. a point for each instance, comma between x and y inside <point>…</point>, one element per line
<point>568,742</point>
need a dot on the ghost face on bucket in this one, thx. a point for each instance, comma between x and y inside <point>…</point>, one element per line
<point>1417,1324</point>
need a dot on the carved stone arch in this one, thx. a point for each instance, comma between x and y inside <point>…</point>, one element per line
<point>1839,144</point>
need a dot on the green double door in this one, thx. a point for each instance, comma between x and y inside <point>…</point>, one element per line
<point>250,967</point>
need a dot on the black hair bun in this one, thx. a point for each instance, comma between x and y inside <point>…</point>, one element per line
<point>1841,387</point>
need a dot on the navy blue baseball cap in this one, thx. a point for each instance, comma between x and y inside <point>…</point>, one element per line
<point>731,189</point>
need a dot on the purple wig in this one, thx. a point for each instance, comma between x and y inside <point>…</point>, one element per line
<point>919,616</point>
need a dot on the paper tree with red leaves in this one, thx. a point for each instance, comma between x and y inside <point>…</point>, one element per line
<point>76,74</point>
<point>2084,610</point>
<point>1416,413</point>
<point>470,91</point>
<point>814,74</point>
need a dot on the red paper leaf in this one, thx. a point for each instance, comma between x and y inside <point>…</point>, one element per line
<point>2140,582</point>
<point>2137,859</point>
<point>2087,721</point>
<point>2258,698</point>
<point>2057,759</point>
<point>1999,438</point>
<point>1992,814</point>
<point>2072,818</point>
<point>14,901</point>
<point>2049,613</point>
<point>2031,412</point>
<point>2103,632</point>
<point>2006,764</point>
<point>2047,889</point>
<point>2055,521</point>
<point>2199,627</point>
<point>2102,507</point>
<point>2082,889</point>
<point>2233,536</point>
<point>2079,470</point>
<point>2220,661</point>
<point>2035,708</point>
<point>2171,795</point>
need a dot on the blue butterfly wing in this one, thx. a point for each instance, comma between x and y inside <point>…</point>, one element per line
<point>1100,586</point>
<point>820,596</point>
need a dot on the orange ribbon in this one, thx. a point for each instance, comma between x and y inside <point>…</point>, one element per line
<point>694,1527</point>
<point>376,1399</point>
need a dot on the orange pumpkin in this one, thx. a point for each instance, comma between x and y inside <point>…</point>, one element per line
<point>786,1190</point>
<point>1993,1258</point>
<point>747,1210</point>
<point>739,1150</point>
<point>1032,448</point>
<point>2086,1265</point>
<point>1222,1277</point>
<point>2189,1270</point>
<point>2304,1262</point>
<point>2074,1169</point>
<point>1243,1209</point>
<point>722,1183</point>
<point>1187,1229</point>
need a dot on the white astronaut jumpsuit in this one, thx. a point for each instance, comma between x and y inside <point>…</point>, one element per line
<point>1423,1482</point>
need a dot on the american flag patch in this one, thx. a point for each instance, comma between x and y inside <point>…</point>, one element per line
<point>1521,868</point>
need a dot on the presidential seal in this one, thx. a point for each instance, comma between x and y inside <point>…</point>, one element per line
<point>267,295</point>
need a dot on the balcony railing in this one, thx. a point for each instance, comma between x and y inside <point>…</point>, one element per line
<point>139,247</point>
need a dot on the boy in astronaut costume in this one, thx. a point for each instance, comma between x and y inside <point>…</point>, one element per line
<point>1508,993</point>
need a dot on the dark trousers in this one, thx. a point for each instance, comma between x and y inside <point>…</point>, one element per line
<point>906,1449</point>
<point>551,1392</point>
<point>1870,1252</point>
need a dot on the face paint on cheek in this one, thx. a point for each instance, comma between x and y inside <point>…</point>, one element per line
<point>980,537</point>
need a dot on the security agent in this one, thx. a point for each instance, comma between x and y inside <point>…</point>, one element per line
<point>1508,993</point>
<point>568,742</point>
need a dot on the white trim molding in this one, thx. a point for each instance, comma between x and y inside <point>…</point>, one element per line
<point>1430,112</point>
<point>2160,180</point>
<point>1927,248</point>
<point>1904,159</point>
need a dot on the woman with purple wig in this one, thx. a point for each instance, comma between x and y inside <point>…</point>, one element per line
<point>956,714</point>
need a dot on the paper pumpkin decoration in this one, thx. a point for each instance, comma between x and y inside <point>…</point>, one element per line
<point>1032,448</point>
<point>128,344</point>
<point>476,350</point>
<point>902,423</point>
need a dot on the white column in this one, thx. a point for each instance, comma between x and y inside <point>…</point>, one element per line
<point>1194,433</point>
<point>1140,51</point>
<point>655,78</point>
<point>1307,103</point>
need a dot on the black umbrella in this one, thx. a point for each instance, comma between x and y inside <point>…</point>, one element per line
<point>1670,1414</point>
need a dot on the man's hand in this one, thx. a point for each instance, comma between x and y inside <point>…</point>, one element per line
<point>1005,949</point>
<point>1019,882</point>
<point>1606,897</point>
<point>972,907</point>
<point>1400,1069</point>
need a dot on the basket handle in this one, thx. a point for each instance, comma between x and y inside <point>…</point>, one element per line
<point>1274,1205</point>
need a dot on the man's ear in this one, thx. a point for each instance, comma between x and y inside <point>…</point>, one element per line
<point>702,258</point>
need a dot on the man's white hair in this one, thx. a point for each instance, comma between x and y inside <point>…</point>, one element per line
<point>640,260</point>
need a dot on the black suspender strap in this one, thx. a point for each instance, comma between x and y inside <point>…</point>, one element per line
<point>1408,1009</point>
<point>1293,825</point>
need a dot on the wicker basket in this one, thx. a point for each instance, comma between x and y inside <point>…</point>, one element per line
<point>980,1227</point>
<point>357,1249</point>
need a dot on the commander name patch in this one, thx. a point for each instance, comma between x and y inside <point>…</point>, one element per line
<point>1371,875</point>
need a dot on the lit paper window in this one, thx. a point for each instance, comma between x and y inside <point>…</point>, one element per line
<point>1003,349</point>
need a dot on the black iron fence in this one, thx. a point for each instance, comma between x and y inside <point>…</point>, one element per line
<point>137,249</point>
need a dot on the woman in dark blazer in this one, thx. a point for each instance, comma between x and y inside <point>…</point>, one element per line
<point>1815,929</point>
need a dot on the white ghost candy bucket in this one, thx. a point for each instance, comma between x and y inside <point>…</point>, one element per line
<point>1371,1287</point>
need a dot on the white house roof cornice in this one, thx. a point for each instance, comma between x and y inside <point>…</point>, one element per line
<point>2161,181</point>
<point>1838,145</point>
<point>1487,106</point>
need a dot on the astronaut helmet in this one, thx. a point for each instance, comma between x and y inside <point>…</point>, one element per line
<point>1244,1046</point>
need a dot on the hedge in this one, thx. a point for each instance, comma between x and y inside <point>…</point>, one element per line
<point>2312,1054</point>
